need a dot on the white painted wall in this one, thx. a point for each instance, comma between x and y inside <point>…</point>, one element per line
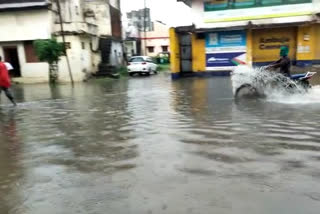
<point>116,56</point>
<point>39,71</point>
<point>102,16</point>
<point>76,61</point>
<point>130,47</point>
<point>316,5</point>
<point>81,61</point>
<point>35,70</point>
<point>19,26</point>
<point>25,25</point>
<point>115,3</point>
<point>71,10</point>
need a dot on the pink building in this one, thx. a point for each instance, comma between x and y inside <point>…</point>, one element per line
<point>155,41</point>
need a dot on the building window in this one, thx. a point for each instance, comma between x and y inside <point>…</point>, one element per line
<point>83,45</point>
<point>67,45</point>
<point>150,49</point>
<point>30,52</point>
<point>165,48</point>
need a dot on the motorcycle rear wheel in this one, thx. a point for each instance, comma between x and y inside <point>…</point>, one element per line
<point>246,91</point>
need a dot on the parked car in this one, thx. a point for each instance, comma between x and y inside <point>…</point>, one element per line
<point>142,65</point>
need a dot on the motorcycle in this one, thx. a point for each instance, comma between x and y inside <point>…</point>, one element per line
<point>256,84</point>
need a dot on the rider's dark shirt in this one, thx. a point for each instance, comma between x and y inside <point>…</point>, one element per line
<point>284,64</point>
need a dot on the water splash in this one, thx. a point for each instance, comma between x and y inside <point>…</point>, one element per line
<point>310,97</point>
<point>273,86</point>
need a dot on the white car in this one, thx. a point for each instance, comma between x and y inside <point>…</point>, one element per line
<point>141,65</point>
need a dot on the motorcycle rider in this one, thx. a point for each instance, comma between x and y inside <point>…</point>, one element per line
<point>284,63</point>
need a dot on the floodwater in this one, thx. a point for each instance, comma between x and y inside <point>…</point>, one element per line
<point>152,145</point>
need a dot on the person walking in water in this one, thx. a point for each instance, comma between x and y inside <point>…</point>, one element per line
<point>5,82</point>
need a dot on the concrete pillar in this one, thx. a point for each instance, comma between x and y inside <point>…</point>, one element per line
<point>198,54</point>
<point>249,47</point>
<point>175,52</point>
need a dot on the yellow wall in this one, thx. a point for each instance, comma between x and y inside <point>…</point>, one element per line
<point>249,47</point>
<point>198,54</point>
<point>306,42</point>
<point>270,39</point>
<point>317,42</point>
<point>175,51</point>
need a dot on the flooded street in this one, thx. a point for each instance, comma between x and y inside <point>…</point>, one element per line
<point>152,145</point>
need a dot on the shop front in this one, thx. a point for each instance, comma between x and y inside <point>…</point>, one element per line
<point>267,43</point>
<point>217,53</point>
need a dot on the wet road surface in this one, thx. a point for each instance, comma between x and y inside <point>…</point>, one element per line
<point>150,145</point>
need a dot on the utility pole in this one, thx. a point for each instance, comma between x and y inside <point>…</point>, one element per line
<point>145,26</point>
<point>64,41</point>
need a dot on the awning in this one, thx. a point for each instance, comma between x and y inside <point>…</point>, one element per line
<point>259,24</point>
<point>8,6</point>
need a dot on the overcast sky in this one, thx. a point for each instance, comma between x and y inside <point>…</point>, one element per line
<point>170,12</point>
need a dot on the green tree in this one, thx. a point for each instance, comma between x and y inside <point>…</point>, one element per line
<point>50,50</point>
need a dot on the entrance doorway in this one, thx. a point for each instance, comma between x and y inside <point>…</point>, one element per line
<point>186,53</point>
<point>11,56</point>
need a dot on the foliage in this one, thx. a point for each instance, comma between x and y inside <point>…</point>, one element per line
<point>49,50</point>
<point>123,71</point>
<point>164,67</point>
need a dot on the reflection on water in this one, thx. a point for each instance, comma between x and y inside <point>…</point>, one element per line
<point>150,145</point>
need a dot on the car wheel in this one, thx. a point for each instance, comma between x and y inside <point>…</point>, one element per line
<point>131,74</point>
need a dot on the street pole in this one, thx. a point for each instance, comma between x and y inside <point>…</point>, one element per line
<point>64,41</point>
<point>145,26</point>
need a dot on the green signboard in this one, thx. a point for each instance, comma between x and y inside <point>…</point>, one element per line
<point>215,5</point>
<point>244,3</point>
<point>271,2</point>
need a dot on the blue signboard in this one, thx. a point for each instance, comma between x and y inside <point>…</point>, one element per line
<point>225,49</point>
<point>226,39</point>
<point>225,59</point>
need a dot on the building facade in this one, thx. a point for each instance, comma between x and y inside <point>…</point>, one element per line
<point>157,40</point>
<point>85,24</point>
<point>138,22</point>
<point>144,36</point>
<point>227,33</point>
